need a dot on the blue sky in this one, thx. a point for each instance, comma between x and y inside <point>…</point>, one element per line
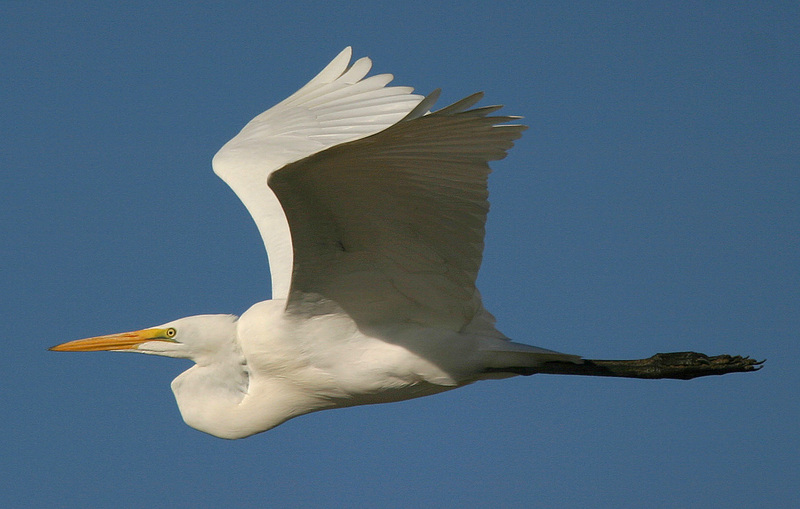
<point>652,206</point>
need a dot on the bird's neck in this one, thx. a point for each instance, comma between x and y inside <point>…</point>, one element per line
<point>220,399</point>
<point>207,391</point>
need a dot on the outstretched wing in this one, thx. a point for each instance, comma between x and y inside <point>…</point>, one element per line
<point>390,227</point>
<point>337,106</point>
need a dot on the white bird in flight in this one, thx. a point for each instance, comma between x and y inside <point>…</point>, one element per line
<point>372,210</point>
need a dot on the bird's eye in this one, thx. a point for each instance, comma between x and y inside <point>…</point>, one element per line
<point>170,333</point>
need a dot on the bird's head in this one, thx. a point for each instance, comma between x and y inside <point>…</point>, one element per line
<point>195,337</point>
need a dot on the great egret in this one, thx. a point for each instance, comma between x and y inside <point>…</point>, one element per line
<point>372,210</point>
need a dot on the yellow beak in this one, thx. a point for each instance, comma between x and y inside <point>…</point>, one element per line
<point>123,341</point>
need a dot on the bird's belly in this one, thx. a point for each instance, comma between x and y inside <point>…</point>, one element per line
<point>396,363</point>
<point>330,358</point>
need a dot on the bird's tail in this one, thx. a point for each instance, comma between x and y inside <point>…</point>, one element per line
<point>507,358</point>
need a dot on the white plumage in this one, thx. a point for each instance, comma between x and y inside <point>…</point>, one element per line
<point>372,210</point>
<point>335,107</point>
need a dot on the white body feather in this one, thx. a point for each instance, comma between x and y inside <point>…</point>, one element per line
<point>372,210</point>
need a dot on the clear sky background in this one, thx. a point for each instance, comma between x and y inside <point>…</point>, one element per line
<point>653,205</point>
